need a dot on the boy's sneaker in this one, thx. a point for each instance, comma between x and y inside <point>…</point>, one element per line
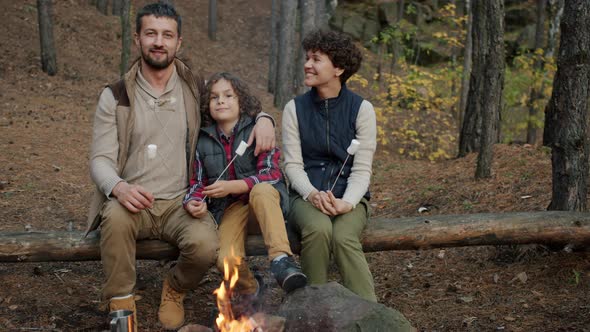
<point>288,274</point>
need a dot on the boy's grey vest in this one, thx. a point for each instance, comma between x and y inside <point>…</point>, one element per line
<point>214,160</point>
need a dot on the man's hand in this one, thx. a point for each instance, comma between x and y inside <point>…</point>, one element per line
<point>340,206</point>
<point>264,134</point>
<point>223,188</point>
<point>133,197</point>
<point>197,209</point>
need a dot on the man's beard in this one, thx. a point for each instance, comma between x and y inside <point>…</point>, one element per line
<point>157,64</point>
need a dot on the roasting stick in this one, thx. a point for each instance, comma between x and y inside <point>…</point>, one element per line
<point>351,150</point>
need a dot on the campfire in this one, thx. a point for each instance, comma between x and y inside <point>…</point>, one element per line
<point>226,322</point>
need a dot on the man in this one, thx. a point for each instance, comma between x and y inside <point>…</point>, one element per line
<point>139,193</point>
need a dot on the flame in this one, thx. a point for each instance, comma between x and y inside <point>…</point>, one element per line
<point>226,321</point>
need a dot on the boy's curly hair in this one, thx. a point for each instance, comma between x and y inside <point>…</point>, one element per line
<point>249,104</point>
<point>338,47</point>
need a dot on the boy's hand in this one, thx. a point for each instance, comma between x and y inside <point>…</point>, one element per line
<point>197,209</point>
<point>223,188</point>
<point>264,134</point>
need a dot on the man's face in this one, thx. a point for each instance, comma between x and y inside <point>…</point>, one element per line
<point>158,41</point>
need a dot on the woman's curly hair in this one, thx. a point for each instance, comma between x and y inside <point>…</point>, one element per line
<point>249,104</point>
<point>338,47</point>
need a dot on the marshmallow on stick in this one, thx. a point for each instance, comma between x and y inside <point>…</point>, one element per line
<point>239,152</point>
<point>351,150</point>
<point>353,147</point>
<point>152,150</point>
<point>241,148</point>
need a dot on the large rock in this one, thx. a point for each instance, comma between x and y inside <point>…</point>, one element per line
<point>332,307</point>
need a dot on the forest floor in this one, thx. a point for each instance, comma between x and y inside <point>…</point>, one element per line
<point>45,134</point>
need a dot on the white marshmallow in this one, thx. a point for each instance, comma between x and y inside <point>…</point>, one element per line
<point>353,147</point>
<point>241,148</point>
<point>152,149</point>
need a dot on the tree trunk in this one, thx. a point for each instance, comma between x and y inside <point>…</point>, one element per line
<point>397,46</point>
<point>117,7</point>
<point>555,13</point>
<point>102,6</point>
<point>322,16</point>
<point>466,64</point>
<point>556,228</point>
<point>487,34</point>
<point>48,58</point>
<point>125,36</point>
<point>273,57</point>
<point>287,56</point>
<point>566,113</point>
<point>308,20</point>
<point>212,19</point>
<point>489,58</point>
<point>532,127</point>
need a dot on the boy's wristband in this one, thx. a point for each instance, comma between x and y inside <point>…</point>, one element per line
<point>264,115</point>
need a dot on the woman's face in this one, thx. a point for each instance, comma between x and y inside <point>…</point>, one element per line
<point>319,70</point>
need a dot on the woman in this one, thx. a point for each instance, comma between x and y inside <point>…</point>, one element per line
<point>330,211</point>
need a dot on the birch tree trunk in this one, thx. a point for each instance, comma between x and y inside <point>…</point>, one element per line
<point>566,113</point>
<point>48,57</point>
<point>489,59</point>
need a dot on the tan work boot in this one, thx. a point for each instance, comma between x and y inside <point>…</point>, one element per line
<point>124,303</point>
<point>171,313</point>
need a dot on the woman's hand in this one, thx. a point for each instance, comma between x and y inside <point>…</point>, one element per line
<point>340,206</point>
<point>321,201</point>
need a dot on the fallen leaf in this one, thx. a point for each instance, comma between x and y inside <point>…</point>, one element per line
<point>509,318</point>
<point>466,299</point>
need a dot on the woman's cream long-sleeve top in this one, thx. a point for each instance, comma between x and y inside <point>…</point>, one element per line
<point>360,176</point>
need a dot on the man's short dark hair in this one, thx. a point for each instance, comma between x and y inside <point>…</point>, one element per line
<point>158,9</point>
<point>339,47</point>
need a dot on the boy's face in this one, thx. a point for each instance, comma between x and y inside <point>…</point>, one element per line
<point>319,69</point>
<point>223,102</point>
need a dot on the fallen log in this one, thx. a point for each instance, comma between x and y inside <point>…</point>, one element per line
<point>544,227</point>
